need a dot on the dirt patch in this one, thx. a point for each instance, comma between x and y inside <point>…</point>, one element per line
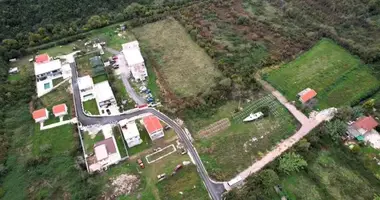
<point>123,184</point>
<point>215,128</point>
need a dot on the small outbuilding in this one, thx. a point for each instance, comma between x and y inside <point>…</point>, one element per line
<point>60,110</point>
<point>13,70</point>
<point>40,115</point>
<point>306,95</point>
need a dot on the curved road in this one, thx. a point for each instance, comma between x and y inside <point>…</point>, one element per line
<point>215,189</point>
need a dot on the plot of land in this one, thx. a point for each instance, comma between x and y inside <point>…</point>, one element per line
<point>232,150</point>
<point>185,66</point>
<point>338,77</point>
<point>166,151</point>
<point>186,181</point>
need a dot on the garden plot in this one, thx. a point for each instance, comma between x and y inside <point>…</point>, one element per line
<point>231,151</point>
<point>338,77</point>
<point>166,151</point>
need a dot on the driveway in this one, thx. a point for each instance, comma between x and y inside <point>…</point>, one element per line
<point>124,75</point>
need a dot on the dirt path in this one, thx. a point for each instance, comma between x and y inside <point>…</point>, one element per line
<point>308,124</point>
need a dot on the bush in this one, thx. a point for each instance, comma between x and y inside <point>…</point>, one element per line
<point>291,162</point>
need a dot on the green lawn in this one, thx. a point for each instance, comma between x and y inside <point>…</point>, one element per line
<point>111,38</point>
<point>232,150</point>
<point>152,84</point>
<point>57,81</point>
<point>120,141</point>
<point>119,86</point>
<point>89,141</point>
<point>100,78</point>
<point>338,77</point>
<point>91,107</point>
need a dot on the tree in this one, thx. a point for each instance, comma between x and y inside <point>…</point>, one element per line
<point>291,162</point>
<point>303,145</point>
<point>268,178</point>
<point>335,129</point>
<point>376,197</point>
<point>10,44</point>
<point>344,113</point>
<point>369,105</point>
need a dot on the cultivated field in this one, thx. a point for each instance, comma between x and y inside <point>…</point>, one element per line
<point>232,150</point>
<point>338,77</point>
<point>186,67</point>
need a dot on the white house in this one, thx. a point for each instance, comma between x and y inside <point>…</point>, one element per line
<point>40,115</point>
<point>153,126</point>
<point>46,70</point>
<point>86,88</point>
<point>105,98</point>
<point>60,110</point>
<point>134,60</point>
<point>130,132</point>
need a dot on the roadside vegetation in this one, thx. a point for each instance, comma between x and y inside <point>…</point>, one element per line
<point>338,77</point>
<point>318,167</point>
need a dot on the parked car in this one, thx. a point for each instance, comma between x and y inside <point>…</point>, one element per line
<point>108,111</point>
<point>167,127</point>
<point>115,57</point>
<point>140,163</point>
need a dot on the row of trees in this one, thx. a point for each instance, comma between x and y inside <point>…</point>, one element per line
<point>17,39</point>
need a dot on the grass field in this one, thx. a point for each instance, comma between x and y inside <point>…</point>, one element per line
<point>186,181</point>
<point>91,107</point>
<point>185,66</point>
<point>246,141</point>
<point>119,141</point>
<point>338,77</point>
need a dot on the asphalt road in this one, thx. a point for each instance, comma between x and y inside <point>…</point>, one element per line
<point>215,189</point>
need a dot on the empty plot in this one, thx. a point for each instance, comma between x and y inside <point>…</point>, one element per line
<point>186,67</point>
<point>338,77</point>
<point>160,154</point>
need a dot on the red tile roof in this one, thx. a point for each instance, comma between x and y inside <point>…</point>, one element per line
<point>110,145</point>
<point>39,113</point>
<point>59,108</point>
<point>42,58</point>
<point>308,95</point>
<point>152,124</point>
<point>366,123</point>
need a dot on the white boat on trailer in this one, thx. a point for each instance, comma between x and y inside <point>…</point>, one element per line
<point>253,117</point>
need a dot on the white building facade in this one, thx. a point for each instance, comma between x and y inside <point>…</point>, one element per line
<point>134,60</point>
<point>130,132</point>
<point>86,88</point>
<point>105,99</point>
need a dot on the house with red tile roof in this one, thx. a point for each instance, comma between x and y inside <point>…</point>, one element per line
<point>154,127</point>
<point>60,110</point>
<point>362,126</point>
<point>42,58</point>
<point>306,95</point>
<point>40,115</point>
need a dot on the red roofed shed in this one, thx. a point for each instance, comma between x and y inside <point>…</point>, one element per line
<point>307,95</point>
<point>40,115</point>
<point>60,110</point>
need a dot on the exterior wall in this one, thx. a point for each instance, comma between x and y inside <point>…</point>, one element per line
<point>139,72</point>
<point>87,94</point>
<point>104,104</point>
<point>41,119</point>
<point>131,142</point>
<point>49,75</point>
<point>156,135</point>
